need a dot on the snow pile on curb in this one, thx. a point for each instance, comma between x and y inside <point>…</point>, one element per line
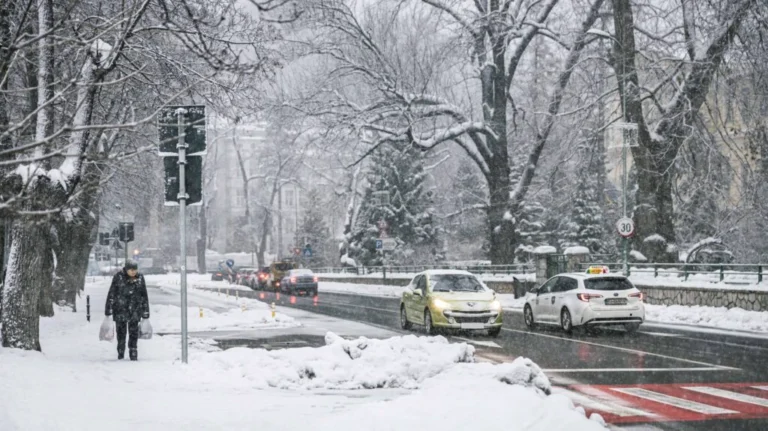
<point>718,317</point>
<point>167,318</point>
<point>398,362</point>
<point>506,397</point>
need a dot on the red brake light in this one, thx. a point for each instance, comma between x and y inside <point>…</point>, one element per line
<point>587,296</point>
<point>293,280</point>
<point>315,279</point>
<point>638,295</point>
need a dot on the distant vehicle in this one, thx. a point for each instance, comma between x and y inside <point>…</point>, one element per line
<point>278,270</point>
<point>588,299</point>
<point>450,299</point>
<point>299,282</point>
<point>260,279</point>
<point>244,276</point>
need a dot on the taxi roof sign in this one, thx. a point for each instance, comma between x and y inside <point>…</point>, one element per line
<point>597,270</point>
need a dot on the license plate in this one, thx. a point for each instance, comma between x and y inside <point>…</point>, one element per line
<point>472,326</point>
<point>616,301</point>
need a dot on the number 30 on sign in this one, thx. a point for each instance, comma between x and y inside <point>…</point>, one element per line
<point>626,227</point>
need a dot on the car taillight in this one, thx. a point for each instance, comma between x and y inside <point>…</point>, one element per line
<point>638,295</point>
<point>587,296</point>
<point>314,279</point>
<point>293,280</point>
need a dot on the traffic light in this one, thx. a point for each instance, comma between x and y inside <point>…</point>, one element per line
<point>126,232</point>
<point>103,238</point>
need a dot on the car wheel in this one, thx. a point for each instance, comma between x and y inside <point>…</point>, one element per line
<point>528,316</point>
<point>565,320</point>
<point>428,328</point>
<point>494,332</point>
<point>404,323</point>
<point>631,327</point>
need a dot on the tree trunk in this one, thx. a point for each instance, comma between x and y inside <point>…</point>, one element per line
<point>45,300</point>
<point>502,231</point>
<point>26,274</point>
<point>76,238</point>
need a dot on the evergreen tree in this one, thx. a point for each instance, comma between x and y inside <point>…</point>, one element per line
<point>397,169</point>
<point>585,226</point>
<point>469,226</point>
<point>530,230</point>
<point>314,231</point>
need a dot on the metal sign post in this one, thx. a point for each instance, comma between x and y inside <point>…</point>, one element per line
<point>182,146</point>
<point>183,128</point>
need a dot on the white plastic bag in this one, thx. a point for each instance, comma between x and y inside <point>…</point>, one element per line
<point>107,330</point>
<point>145,329</point>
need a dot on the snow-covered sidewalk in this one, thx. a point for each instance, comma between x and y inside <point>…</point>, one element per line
<point>77,384</point>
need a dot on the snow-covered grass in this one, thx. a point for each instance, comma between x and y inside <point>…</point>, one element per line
<point>361,289</point>
<point>167,318</point>
<point>77,384</point>
<point>714,317</point>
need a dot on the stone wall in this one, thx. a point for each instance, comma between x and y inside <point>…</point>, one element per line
<point>754,300</point>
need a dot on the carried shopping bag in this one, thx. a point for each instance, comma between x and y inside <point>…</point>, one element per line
<point>145,329</point>
<point>107,330</point>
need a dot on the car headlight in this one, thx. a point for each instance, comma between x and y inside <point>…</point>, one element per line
<point>439,303</point>
<point>496,305</point>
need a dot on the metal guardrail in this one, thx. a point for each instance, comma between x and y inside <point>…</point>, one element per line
<point>411,269</point>
<point>710,272</point>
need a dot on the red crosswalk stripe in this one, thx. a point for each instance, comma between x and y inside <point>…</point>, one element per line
<point>671,402</point>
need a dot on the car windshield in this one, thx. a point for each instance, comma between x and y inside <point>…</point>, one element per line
<point>616,283</point>
<point>456,283</point>
<point>283,266</point>
<point>301,272</point>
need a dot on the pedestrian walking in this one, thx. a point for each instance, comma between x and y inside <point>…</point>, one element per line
<point>127,303</point>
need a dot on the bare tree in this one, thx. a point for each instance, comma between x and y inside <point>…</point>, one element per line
<point>404,103</point>
<point>663,127</point>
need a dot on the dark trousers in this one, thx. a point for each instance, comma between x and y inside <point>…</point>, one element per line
<point>132,327</point>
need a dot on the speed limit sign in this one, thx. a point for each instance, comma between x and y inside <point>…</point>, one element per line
<point>626,227</point>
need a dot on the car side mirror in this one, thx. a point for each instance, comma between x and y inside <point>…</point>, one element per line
<point>418,292</point>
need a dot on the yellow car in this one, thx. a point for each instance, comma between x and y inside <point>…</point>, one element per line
<point>449,299</point>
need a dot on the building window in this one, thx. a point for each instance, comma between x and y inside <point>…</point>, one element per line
<point>289,198</point>
<point>240,197</point>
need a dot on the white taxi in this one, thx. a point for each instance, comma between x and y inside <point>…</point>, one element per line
<point>593,298</point>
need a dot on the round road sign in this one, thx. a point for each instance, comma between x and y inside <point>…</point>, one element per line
<point>626,227</point>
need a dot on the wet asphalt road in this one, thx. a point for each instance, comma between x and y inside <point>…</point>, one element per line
<point>653,356</point>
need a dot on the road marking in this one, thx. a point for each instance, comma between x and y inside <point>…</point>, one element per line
<point>495,357</point>
<point>680,403</point>
<point>479,342</point>
<point>622,349</point>
<point>627,370</point>
<point>602,402</point>
<point>722,393</point>
<point>660,334</point>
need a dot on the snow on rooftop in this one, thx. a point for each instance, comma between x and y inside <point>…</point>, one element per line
<point>446,272</point>
<point>636,255</point>
<point>576,250</point>
<point>655,238</point>
<point>544,249</point>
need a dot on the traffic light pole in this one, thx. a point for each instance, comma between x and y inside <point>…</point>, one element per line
<point>182,146</point>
